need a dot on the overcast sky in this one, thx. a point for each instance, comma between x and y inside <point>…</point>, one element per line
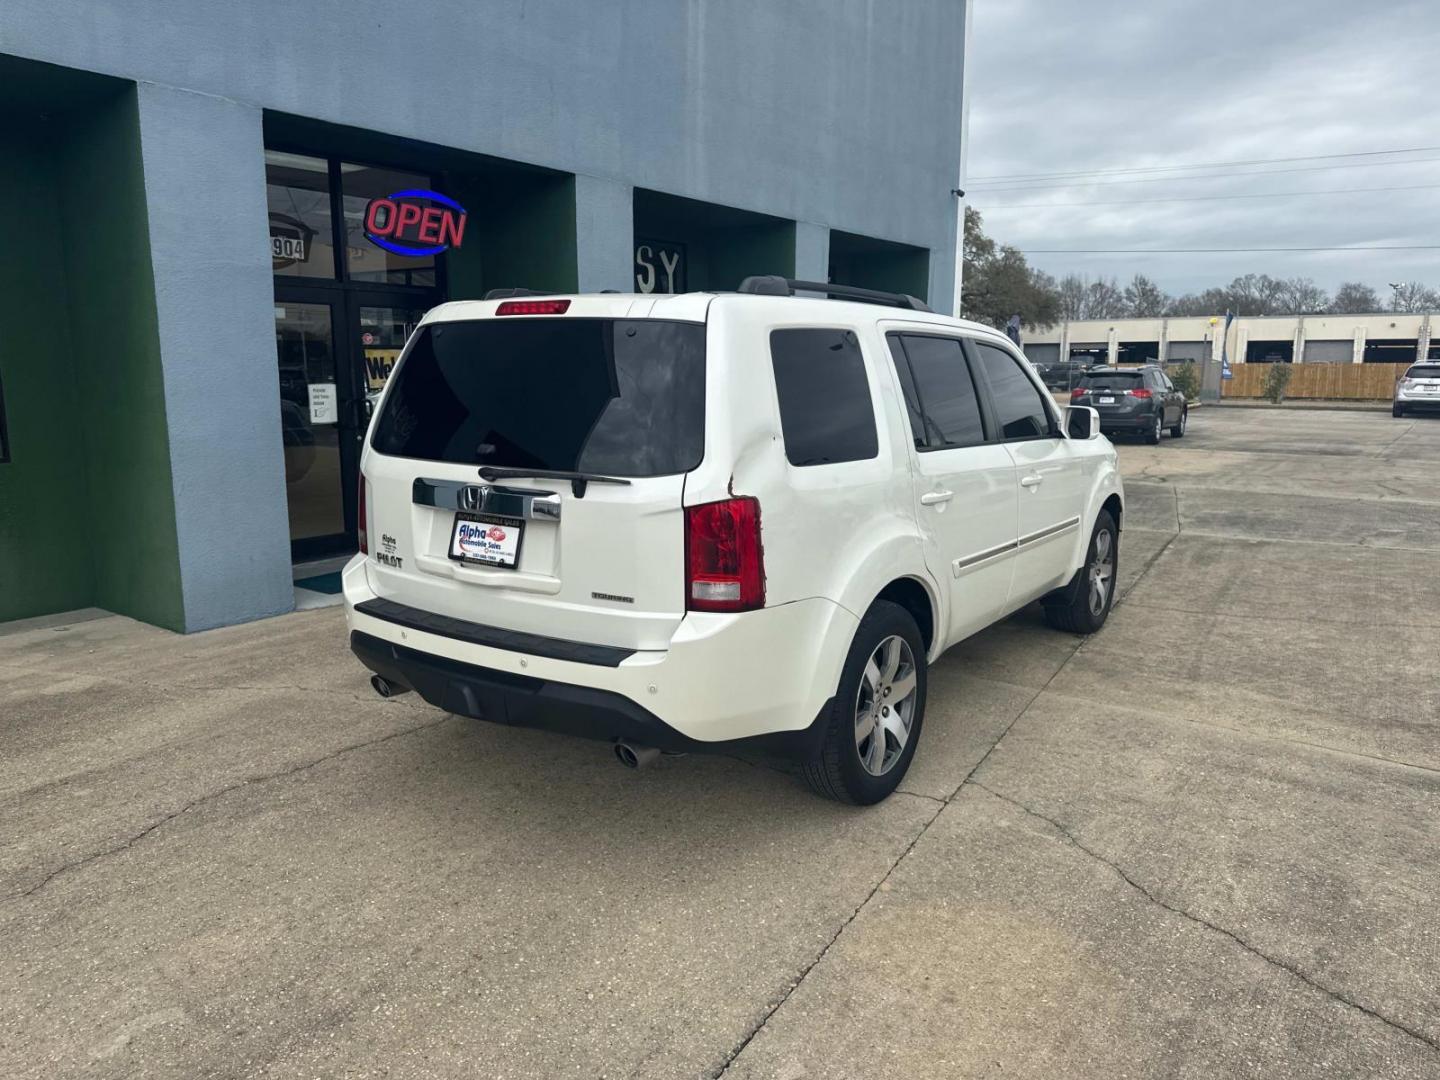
<point>1072,85</point>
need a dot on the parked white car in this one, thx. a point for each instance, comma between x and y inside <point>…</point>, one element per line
<point>679,522</point>
<point>1418,389</point>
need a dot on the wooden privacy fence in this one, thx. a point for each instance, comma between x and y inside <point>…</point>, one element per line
<point>1337,382</point>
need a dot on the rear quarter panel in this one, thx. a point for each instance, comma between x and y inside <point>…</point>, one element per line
<point>843,531</point>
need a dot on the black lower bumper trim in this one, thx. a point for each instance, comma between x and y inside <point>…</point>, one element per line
<point>578,652</point>
<point>524,701</point>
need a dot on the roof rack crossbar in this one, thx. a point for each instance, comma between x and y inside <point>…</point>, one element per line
<point>775,285</point>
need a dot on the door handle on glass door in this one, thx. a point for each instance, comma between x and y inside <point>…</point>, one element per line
<point>1032,481</point>
<point>931,498</point>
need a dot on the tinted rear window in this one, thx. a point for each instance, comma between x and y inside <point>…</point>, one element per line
<point>1114,380</point>
<point>825,410</point>
<point>1424,371</point>
<point>623,397</point>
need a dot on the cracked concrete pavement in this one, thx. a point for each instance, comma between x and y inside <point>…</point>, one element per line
<point>1202,842</point>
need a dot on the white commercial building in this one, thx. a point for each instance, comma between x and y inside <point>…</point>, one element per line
<point>1390,338</point>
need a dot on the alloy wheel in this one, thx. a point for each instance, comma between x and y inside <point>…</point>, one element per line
<point>1101,571</point>
<point>885,705</point>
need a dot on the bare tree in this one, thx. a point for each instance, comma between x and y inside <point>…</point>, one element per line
<point>1144,299</point>
<point>1301,296</point>
<point>1355,298</point>
<point>1413,297</point>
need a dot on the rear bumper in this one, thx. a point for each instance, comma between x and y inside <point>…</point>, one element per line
<point>1418,402</point>
<point>1127,422</point>
<point>724,678</point>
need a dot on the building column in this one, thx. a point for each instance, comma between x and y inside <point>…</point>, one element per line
<point>1358,355</point>
<point>942,275</point>
<point>812,252</point>
<point>1112,347</point>
<point>204,168</point>
<point>1298,346</point>
<point>604,234</point>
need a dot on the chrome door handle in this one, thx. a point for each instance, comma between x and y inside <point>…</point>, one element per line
<point>931,498</point>
<point>1032,481</point>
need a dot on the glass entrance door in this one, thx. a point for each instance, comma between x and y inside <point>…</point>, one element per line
<point>383,330</point>
<point>311,378</point>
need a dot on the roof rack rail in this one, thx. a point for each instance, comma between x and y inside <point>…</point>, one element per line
<point>509,294</point>
<point>775,285</point>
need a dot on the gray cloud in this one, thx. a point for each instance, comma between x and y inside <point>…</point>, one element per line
<point>1070,85</point>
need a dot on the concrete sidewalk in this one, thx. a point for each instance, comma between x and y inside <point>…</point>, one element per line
<point>1200,843</point>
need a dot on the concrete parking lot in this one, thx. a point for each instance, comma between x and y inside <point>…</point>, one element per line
<point>1204,842</point>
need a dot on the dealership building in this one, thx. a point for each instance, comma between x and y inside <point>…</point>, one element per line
<point>224,219</point>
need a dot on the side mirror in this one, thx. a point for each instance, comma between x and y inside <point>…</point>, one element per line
<point>1081,422</point>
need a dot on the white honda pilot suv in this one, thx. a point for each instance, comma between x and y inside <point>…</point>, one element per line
<point>685,522</point>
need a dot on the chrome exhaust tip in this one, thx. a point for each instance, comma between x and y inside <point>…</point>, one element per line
<point>385,688</point>
<point>634,757</point>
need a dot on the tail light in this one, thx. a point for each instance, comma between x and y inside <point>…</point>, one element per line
<point>1141,393</point>
<point>362,519</point>
<point>1078,392</point>
<point>724,565</point>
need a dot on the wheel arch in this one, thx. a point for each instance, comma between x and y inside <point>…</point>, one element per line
<point>914,596</point>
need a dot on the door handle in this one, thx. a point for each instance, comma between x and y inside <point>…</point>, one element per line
<point>931,498</point>
<point>1032,481</point>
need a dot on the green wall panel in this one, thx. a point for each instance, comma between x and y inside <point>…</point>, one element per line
<point>45,562</point>
<point>117,364</point>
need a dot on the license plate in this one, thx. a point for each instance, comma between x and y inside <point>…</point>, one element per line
<point>1106,400</point>
<point>486,540</point>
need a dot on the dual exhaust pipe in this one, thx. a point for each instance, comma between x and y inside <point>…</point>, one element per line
<point>628,754</point>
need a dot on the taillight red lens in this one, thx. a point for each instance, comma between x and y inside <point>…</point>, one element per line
<point>1079,391</point>
<point>1142,393</point>
<point>362,519</point>
<point>533,307</point>
<point>724,564</point>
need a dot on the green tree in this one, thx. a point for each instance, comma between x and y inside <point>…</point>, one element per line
<point>999,282</point>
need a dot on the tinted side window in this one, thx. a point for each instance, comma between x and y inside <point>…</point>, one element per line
<point>1019,408</point>
<point>825,410</point>
<point>907,387</point>
<point>946,392</point>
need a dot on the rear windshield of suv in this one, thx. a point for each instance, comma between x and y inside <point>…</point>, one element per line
<point>1114,380</point>
<point>614,396</point>
<point>1424,371</point>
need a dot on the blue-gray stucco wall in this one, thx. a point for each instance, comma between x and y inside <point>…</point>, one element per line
<point>840,114</point>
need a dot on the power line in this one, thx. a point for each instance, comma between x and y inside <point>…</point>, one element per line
<point>1201,165</point>
<point>1218,251</point>
<point>1207,198</point>
<point>1212,176</point>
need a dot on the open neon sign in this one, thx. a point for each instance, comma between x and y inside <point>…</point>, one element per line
<point>415,222</point>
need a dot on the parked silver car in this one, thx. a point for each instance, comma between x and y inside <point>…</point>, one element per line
<point>1418,390</point>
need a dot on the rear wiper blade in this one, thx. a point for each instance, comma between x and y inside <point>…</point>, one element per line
<point>578,480</point>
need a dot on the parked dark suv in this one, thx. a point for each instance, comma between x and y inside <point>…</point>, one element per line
<point>1138,400</point>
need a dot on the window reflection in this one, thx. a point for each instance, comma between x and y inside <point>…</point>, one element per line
<point>297,190</point>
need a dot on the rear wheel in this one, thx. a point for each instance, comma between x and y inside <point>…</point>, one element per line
<point>1083,606</point>
<point>1152,436</point>
<point>872,724</point>
<point>1397,410</point>
<point>1178,430</point>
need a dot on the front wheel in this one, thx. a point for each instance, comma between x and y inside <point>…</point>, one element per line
<point>872,724</point>
<point>1083,606</point>
<point>1178,431</point>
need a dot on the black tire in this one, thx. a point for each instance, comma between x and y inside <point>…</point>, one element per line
<point>1153,435</point>
<point>836,771</point>
<point>1071,609</point>
<point>1178,431</point>
<point>1396,410</point>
